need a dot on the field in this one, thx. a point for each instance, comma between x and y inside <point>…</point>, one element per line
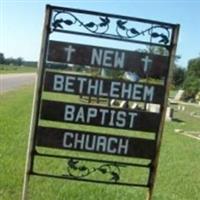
<point>178,173</point>
<point>5,69</point>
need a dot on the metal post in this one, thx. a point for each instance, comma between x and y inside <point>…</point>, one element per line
<point>159,135</point>
<point>36,103</point>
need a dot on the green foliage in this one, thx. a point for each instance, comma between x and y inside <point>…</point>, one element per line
<point>177,173</point>
<point>7,69</point>
<point>192,80</point>
<point>178,76</point>
<point>2,58</point>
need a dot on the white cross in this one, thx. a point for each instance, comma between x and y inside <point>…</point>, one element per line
<point>146,61</point>
<point>69,51</point>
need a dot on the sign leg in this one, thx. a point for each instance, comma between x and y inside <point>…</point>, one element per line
<point>36,104</point>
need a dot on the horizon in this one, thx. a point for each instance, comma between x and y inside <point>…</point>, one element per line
<point>16,42</point>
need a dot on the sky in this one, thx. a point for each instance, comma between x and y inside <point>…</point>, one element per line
<point>21,22</point>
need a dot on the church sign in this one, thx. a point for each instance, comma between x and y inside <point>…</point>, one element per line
<point>99,87</point>
<point>94,142</point>
<point>73,111</point>
<point>138,62</point>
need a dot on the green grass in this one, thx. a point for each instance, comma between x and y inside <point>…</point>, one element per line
<point>178,173</point>
<point>7,69</point>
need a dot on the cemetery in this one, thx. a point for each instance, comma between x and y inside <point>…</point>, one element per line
<point>131,85</point>
<point>107,121</point>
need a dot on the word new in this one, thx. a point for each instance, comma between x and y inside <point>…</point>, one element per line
<point>106,58</point>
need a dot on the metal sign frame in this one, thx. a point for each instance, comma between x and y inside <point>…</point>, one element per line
<point>54,23</point>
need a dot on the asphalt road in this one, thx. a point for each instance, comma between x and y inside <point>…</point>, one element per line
<point>10,82</point>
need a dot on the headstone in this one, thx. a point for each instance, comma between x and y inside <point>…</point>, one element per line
<point>134,106</point>
<point>153,107</point>
<point>124,104</point>
<point>131,76</point>
<point>181,108</point>
<point>169,114</point>
<point>178,130</point>
<point>179,95</point>
<point>113,102</point>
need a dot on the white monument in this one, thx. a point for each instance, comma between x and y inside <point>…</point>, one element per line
<point>179,95</point>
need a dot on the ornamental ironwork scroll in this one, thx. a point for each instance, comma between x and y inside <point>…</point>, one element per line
<point>111,27</point>
<point>78,170</point>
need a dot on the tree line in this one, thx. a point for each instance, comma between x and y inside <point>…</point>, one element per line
<point>16,61</point>
<point>187,79</point>
<point>184,78</point>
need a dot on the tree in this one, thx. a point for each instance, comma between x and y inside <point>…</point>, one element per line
<point>192,80</point>
<point>178,76</point>
<point>9,61</point>
<point>18,61</point>
<point>2,58</point>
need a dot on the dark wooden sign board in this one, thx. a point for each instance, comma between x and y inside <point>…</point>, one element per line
<point>104,88</point>
<point>61,52</point>
<point>143,64</point>
<point>99,116</point>
<point>94,142</point>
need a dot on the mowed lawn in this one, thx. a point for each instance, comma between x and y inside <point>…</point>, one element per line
<point>178,173</point>
<point>10,69</point>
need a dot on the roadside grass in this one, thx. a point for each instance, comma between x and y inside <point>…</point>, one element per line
<point>178,173</point>
<point>8,69</point>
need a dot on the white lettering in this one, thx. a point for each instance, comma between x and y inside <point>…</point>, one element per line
<point>112,114</point>
<point>96,56</point>
<point>123,147</point>
<point>69,51</point>
<point>137,93</point>
<point>80,115</point>
<point>146,61</point>
<point>101,144</point>
<point>126,90</point>
<point>67,136</point>
<point>69,82</point>
<point>92,112</point>
<point>121,121</point>
<point>81,80</point>
<point>69,113</point>
<point>103,112</point>
<point>90,144</point>
<point>79,140</point>
<point>148,93</point>
<point>92,86</point>
<point>58,82</point>
<point>96,143</point>
<point>119,61</point>
<point>114,91</point>
<point>132,120</point>
<point>101,86</point>
<point>111,144</point>
<point>107,58</point>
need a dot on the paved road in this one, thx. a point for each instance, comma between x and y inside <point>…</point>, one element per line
<point>10,82</point>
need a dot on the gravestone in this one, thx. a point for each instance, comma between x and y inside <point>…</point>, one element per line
<point>153,107</point>
<point>124,104</point>
<point>112,102</point>
<point>181,107</point>
<point>134,106</point>
<point>131,76</point>
<point>169,114</point>
<point>179,95</point>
